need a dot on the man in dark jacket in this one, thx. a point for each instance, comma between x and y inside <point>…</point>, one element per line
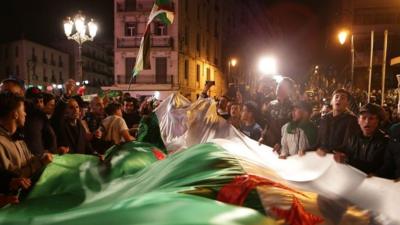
<point>366,150</point>
<point>130,113</point>
<point>38,133</point>
<point>336,126</point>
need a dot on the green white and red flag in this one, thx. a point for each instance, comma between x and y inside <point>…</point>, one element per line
<point>163,11</point>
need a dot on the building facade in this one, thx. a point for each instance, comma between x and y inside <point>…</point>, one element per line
<point>34,63</point>
<point>362,17</point>
<point>183,55</point>
<point>97,62</point>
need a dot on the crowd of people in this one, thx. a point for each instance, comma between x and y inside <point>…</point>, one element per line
<point>365,136</point>
<point>34,125</point>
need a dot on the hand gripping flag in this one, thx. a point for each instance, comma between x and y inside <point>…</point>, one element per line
<point>162,11</point>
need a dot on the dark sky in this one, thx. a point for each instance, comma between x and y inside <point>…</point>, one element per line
<point>294,30</point>
<point>41,20</point>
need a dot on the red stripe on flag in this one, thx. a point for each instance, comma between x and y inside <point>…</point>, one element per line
<point>237,191</point>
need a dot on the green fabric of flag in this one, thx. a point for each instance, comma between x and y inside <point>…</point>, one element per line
<point>149,131</point>
<point>155,194</point>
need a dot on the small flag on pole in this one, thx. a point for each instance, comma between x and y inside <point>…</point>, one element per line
<point>162,10</point>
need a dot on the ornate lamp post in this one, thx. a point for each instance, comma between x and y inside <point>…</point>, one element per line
<point>79,35</point>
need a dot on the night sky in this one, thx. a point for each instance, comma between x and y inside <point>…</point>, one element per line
<point>295,31</point>
<point>42,20</point>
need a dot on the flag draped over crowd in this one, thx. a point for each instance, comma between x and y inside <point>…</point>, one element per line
<point>161,11</point>
<point>213,174</point>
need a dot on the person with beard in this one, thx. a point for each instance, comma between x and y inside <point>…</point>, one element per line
<point>130,112</point>
<point>336,126</point>
<point>370,150</point>
<point>38,133</point>
<point>277,114</point>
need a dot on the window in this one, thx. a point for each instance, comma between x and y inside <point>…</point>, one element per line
<point>44,57</point>
<point>186,35</point>
<point>45,79</point>
<point>16,51</point>
<point>129,64</point>
<point>198,73</point>
<point>198,42</point>
<point>17,70</point>
<point>53,77</point>
<point>160,28</point>
<point>52,60</point>
<point>60,78</point>
<point>130,5</point>
<point>130,29</point>
<point>60,62</point>
<point>208,74</point>
<point>161,70</point>
<point>186,6</point>
<point>186,69</point>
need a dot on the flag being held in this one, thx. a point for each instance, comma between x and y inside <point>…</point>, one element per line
<point>162,11</point>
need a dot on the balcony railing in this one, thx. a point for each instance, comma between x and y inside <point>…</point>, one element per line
<point>147,79</point>
<point>134,42</point>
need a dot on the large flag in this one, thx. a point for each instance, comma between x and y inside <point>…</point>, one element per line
<point>162,10</point>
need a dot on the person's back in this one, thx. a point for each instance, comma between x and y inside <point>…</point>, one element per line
<point>115,128</point>
<point>394,131</point>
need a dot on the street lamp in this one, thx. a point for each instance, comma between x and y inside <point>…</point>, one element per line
<point>80,35</point>
<point>342,36</point>
<point>232,63</point>
<point>268,66</point>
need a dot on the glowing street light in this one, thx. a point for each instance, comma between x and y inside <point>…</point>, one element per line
<point>232,63</point>
<point>80,35</point>
<point>268,66</point>
<point>342,36</point>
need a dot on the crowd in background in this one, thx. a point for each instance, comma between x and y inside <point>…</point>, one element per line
<point>34,125</point>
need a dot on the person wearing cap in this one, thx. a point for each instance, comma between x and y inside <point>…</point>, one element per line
<point>37,130</point>
<point>336,126</point>
<point>299,134</point>
<point>368,149</point>
<point>278,113</point>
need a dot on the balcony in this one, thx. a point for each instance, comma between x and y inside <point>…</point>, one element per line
<point>134,42</point>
